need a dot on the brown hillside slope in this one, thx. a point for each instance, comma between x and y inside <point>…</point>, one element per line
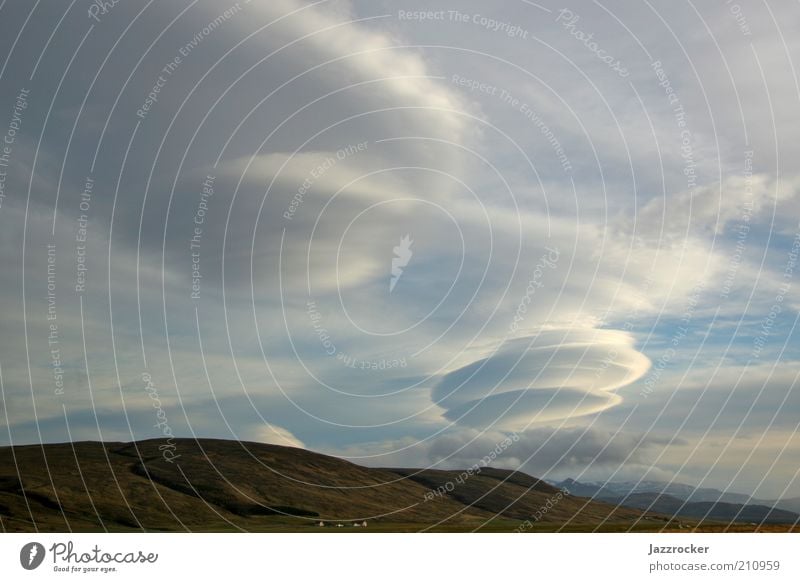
<point>217,485</point>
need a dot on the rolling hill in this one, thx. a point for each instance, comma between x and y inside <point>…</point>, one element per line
<point>218,485</point>
<point>682,500</point>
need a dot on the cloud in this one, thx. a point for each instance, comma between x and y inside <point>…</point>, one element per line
<point>470,177</point>
<point>710,208</point>
<point>554,375</point>
<point>548,451</point>
<point>272,435</point>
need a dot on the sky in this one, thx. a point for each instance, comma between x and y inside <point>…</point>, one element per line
<point>402,232</point>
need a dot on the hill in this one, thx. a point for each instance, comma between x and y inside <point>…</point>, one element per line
<point>719,511</point>
<point>217,485</point>
<point>682,500</point>
<point>682,491</point>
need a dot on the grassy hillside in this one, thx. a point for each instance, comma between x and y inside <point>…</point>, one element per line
<point>217,485</point>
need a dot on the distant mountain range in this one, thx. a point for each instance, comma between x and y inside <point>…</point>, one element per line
<point>681,500</point>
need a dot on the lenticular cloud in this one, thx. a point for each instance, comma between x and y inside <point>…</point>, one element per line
<point>554,375</point>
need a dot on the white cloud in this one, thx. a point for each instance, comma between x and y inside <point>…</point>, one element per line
<point>273,435</point>
<point>554,375</point>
